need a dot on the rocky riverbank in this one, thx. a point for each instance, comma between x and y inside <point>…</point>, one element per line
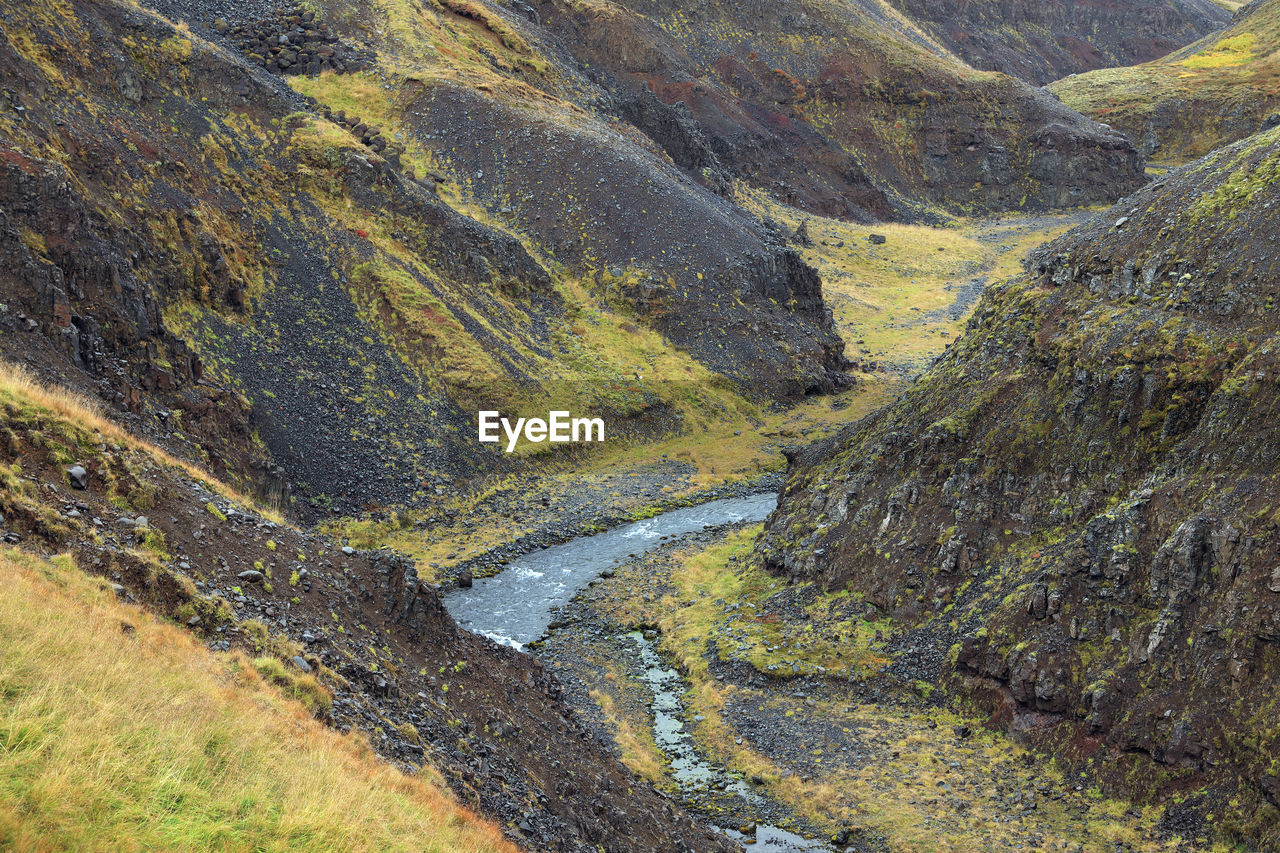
<point>850,746</point>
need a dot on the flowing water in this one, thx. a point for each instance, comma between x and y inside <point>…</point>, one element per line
<point>690,770</point>
<point>515,607</point>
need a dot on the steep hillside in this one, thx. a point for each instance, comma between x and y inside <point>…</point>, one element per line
<point>300,302</point>
<point>352,634</point>
<point>1217,91</point>
<point>1044,41</point>
<point>844,109</point>
<point>1072,517</point>
<point>305,245</point>
<point>190,748</point>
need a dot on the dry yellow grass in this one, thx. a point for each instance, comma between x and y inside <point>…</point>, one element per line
<point>639,751</point>
<point>115,738</point>
<point>18,384</point>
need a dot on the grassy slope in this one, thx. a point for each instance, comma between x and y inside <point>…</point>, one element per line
<point>158,743</point>
<point>1210,93</point>
<point>120,732</point>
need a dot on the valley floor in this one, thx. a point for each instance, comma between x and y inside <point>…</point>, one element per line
<point>897,304</point>
<point>823,712</point>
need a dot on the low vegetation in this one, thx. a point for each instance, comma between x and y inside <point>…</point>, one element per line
<point>924,777</point>
<point>118,731</point>
<point>1180,107</point>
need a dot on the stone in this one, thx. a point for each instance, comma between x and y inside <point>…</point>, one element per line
<point>79,477</point>
<point>465,580</point>
<point>251,576</point>
<point>300,662</point>
<point>877,239</point>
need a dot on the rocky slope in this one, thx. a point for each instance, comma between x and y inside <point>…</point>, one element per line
<point>304,245</point>
<point>391,661</point>
<point>844,109</point>
<point>1214,92</point>
<point>294,297</point>
<point>1071,517</point>
<point>1045,41</point>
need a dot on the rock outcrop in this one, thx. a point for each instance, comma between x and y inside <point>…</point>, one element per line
<point>1077,503</point>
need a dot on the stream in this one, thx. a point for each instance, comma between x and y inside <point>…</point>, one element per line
<point>516,607</point>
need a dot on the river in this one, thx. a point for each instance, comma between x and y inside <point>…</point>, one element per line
<point>515,607</point>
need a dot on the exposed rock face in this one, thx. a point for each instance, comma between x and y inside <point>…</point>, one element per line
<point>72,293</point>
<point>1044,41</point>
<point>1214,92</point>
<point>678,132</point>
<point>845,110</point>
<point>1081,494</point>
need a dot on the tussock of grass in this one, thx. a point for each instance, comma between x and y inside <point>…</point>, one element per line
<point>17,385</point>
<point>139,738</point>
<point>639,750</point>
<point>296,685</point>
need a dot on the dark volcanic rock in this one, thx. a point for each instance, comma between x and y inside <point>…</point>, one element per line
<point>1081,493</point>
<point>677,131</point>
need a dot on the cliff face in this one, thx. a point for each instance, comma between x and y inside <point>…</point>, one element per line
<point>845,109</point>
<point>1074,510</point>
<point>1044,41</point>
<point>1214,92</point>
